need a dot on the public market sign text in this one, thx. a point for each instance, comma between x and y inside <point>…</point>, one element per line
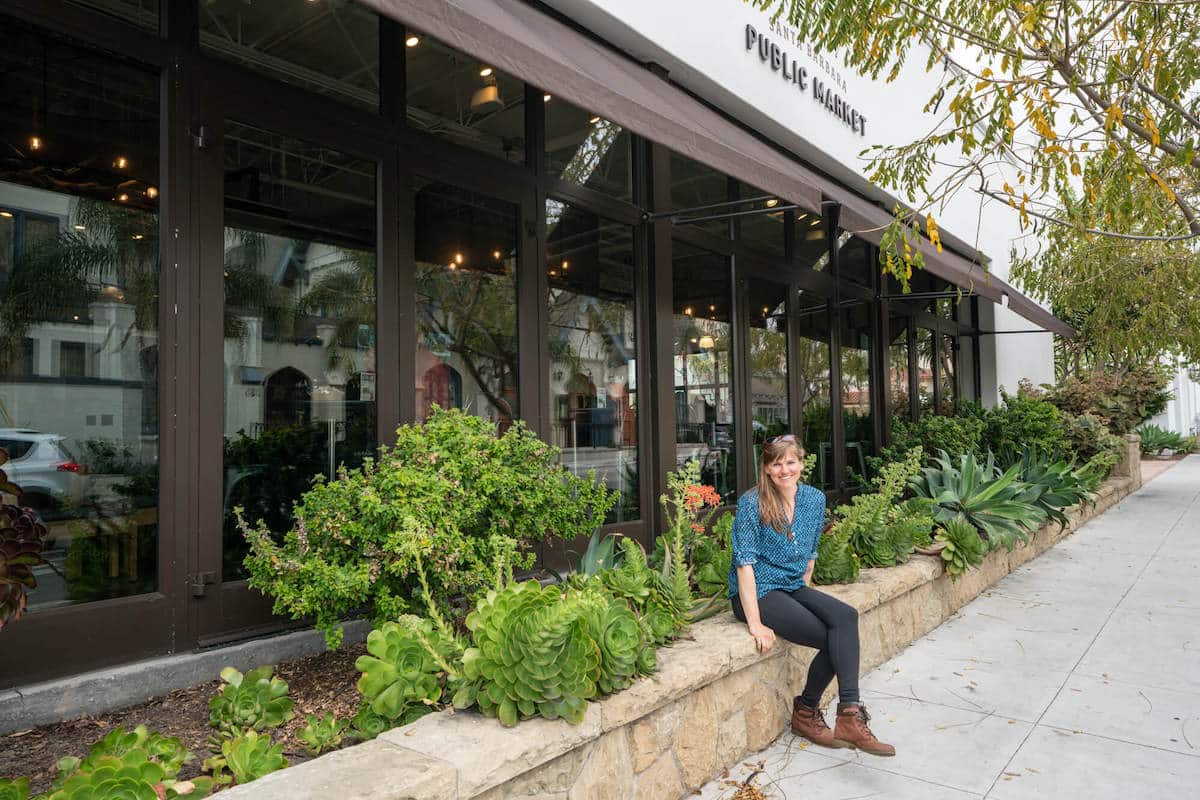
<point>789,68</point>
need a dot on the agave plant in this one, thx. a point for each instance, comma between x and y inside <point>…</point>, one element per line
<point>254,701</point>
<point>532,655</point>
<point>22,539</point>
<point>963,547</point>
<point>408,665</point>
<point>321,733</point>
<point>1000,506</point>
<point>1060,485</point>
<point>248,756</point>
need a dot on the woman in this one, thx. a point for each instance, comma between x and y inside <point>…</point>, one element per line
<point>775,537</point>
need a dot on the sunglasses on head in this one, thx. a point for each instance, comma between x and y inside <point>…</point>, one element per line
<point>783,437</point>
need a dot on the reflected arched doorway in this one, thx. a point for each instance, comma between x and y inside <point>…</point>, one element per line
<point>287,400</point>
<point>442,384</point>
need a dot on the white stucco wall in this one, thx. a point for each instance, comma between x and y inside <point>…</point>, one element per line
<point>1182,414</point>
<point>708,55</point>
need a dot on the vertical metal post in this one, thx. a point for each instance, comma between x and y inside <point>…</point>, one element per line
<point>830,211</point>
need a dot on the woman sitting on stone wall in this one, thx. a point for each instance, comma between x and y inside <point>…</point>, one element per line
<point>775,537</point>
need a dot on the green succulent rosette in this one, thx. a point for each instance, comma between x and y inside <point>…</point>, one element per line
<point>532,655</point>
<point>254,701</point>
<point>406,666</point>
<point>619,634</point>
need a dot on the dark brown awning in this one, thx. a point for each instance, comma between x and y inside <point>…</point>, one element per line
<point>517,39</point>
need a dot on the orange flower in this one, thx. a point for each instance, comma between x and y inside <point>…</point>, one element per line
<point>699,495</point>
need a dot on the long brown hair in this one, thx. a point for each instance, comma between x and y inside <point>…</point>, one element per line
<point>770,501</point>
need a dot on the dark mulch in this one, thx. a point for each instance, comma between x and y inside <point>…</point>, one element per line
<point>317,684</point>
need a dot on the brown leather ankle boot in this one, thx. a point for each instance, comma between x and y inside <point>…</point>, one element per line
<point>810,723</point>
<point>851,730</point>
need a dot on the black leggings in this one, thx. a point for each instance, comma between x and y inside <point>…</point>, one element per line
<point>815,619</point>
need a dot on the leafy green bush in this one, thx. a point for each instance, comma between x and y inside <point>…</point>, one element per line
<point>320,734</point>
<point>1092,443</point>
<point>1156,439</point>
<point>1124,398</point>
<point>254,701</point>
<point>963,549</point>
<point>994,502</point>
<point>1024,421</point>
<point>961,434</point>
<point>868,518</point>
<point>451,495</point>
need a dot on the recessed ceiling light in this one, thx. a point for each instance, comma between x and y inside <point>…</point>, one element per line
<point>35,143</point>
<point>80,227</point>
<point>486,71</point>
<point>496,254</point>
<point>545,98</point>
<point>772,202</point>
<point>593,120</point>
<point>412,41</point>
<point>458,258</point>
<point>6,214</point>
<point>151,192</point>
<point>124,198</point>
<point>121,163</point>
<point>137,237</point>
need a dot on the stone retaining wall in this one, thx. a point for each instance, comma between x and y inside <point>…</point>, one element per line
<point>713,701</point>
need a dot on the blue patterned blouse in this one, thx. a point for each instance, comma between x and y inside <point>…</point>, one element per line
<point>778,563</point>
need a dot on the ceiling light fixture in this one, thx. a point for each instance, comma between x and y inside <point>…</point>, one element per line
<point>485,72</point>
<point>688,311</point>
<point>593,120</point>
<point>121,163</point>
<point>487,97</point>
<point>707,342</point>
<point>566,264</point>
<point>546,98</point>
<point>412,41</point>
<point>6,214</point>
<point>79,227</point>
<point>151,192</point>
<point>137,237</point>
<point>772,202</point>
<point>496,254</point>
<point>123,198</point>
<point>458,258</point>
<point>35,143</point>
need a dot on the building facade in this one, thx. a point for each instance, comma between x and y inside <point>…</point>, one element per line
<point>241,242</point>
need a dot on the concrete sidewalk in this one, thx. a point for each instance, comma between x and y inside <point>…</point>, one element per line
<point>1077,676</point>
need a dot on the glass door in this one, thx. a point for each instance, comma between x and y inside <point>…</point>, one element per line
<point>289,292</point>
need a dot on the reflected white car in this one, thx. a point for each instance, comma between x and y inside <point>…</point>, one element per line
<point>49,475</point>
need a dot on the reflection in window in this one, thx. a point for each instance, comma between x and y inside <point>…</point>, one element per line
<point>466,100</point>
<point>811,251</point>
<point>925,368</point>
<point>856,261</point>
<point>587,150</point>
<point>856,392</point>
<point>143,13</point>
<point>299,323</point>
<point>898,368</point>
<point>466,252</point>
<point>966,369</point>
<point>694,187</point>
<point>703,352</point>
<point>763,231</point>
<point>948,386</point>
<point>768,361</point>
<point>79,270</point>
<point>593,348</point>
<point>328,47</point>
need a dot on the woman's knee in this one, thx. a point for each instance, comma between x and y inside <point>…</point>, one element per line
<point>848,615</point>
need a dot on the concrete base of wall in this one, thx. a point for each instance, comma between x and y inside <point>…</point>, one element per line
<point>713,701</point>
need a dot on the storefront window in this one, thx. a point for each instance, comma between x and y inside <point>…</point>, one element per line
<point>768,370</point>
<point>585,149</point>
<point>966,369</point>
<point>812,367</point>
<point>898,368</point>
<point>327,47</point>
<point>811,250</point>
<point>856,392</point>
<point>763,231</point>
<point>79,294</point>
<point>695,188</point>
<point>593,350</point>
<point>143,13</point>
<point>299,324</point>
<point>946,373</point>
<point>466,253</point>
<point>463,99</point>
<point>703,349</point>
<point>856,262</point>
<point>925,369</point>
